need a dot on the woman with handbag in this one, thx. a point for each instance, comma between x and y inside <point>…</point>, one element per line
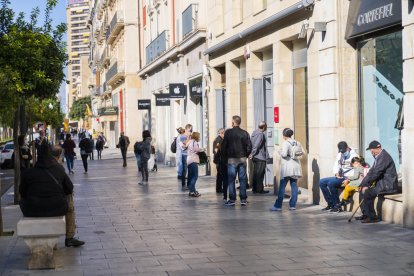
<point>193,160</point>
<point>69,146</point>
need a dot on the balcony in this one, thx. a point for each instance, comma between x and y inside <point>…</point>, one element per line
<point>107,111</point>
<point>116,73</point>
<point>117,24</point>
<point>190,19</point>
<point>157,47</point>
<point>104,58</point>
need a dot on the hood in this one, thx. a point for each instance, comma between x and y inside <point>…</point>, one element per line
<point>256,133</point>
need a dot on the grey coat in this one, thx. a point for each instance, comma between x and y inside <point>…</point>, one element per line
<point>259,149</point>
<point>289,167</point>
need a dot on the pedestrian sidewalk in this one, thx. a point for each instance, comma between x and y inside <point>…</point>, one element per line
<point>157,229</point>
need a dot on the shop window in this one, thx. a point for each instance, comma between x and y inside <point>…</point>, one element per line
<point>381,94</point>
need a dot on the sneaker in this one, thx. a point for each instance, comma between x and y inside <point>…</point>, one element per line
<point>243,203</point>
<point>230,203</point>
<point>292,208</point>
<point>339,210</point>
<point>73,242</point>
<point>275,209</point>
<point>327,208</point>
<point>194,194</point>
<point>335,210</point>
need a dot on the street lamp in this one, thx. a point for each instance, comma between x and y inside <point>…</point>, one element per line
<point>50,106</point>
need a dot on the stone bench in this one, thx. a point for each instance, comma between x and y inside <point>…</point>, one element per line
<point>41,235</point>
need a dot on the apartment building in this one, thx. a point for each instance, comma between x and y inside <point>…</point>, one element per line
<point>173,39</point>
<point>330,70</point>
<point>77,14</point>
<point>114,61</point>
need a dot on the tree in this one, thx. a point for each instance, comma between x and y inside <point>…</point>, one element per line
<point>32,60</point>
<point>78,108</point>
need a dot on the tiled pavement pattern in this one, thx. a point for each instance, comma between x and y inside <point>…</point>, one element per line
<point>158,230</point>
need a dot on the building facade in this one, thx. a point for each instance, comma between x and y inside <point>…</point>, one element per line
<point>330,70</point>
<point>173,42</point>
<point>114,59</point>
<point>79,73</point>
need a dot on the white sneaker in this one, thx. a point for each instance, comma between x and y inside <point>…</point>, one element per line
<point>275,209</point>
<point>292,208</point>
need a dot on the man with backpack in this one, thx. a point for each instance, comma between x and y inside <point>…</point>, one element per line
<point>259,156</point>
<point>142,152</point>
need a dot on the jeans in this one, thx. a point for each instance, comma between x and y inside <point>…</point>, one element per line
<point>232,171</point>
<point>282,187</point>
<point>192,176</point>
<point>99,154</point>
<point>138,157</point>
<point>184,169</point>
<point>69,161</point>
<point>259,170</point>
<point>179,165</point>
<point>85,161</point>
<point>329,187</point>
<point>144,169</point>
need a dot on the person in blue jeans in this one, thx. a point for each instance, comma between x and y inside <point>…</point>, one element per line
<point>290,171</point>
<point>342,169</point>
<point>184,138</point>
<point>235,149</point>
<point>193,160</point>
<point>180,131</point>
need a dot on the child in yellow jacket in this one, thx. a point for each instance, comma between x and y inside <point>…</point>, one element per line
<point>352,183</point>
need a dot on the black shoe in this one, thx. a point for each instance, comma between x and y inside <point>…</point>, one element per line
<point>264,192</point>
<point>327,208</point>
<point>370,220</point>
<point>361,217</point>
<point>73,242</point>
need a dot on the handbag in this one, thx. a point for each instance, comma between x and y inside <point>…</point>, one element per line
<point>202,155</point>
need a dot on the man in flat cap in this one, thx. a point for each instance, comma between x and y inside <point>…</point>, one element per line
<point>381,178</point>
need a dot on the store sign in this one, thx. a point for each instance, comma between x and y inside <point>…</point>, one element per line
<point>177,91</point>
<point>107,111</point>
<point>144,104</point>
<point>196,87</point>
<point>369,16</point>
<point>162,100</point>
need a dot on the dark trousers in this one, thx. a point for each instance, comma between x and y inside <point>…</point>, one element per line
<point>368,208</point>
<point>259,169</point>
<point>124,154</point>
<point>223,170</point>
<point>91,155</point>
<point>219,179</point>
<point>85,161</point>
<point>99,154</point>
<point>184,169</point>
<point>144,170</point>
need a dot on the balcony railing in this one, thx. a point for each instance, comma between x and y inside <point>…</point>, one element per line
<point>190,19</point>
<point>117,23</point>
<point>116,72</point>
<point>157,46</point>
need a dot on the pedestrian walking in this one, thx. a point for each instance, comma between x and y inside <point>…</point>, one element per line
<point>184,138</point>
<point>69,152</point>
<point>193,161</point>
<point>145,154</point>
<point>99,146</point>
<point>123,144</point>
<point>152,163</point>
<point>235,149</point>
<point>180,131</point>
<point>259,156</point>
<point>217,160</point>
<point>85,148</point>
<point>91,157</point>
<point>290,170</point>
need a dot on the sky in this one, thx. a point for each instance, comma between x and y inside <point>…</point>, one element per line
<point>58,16</point>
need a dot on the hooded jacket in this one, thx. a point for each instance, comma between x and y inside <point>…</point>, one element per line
<point>41,196</point>
<point>259,149</point>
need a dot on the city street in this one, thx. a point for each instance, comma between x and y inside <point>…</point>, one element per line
<point>158,230</point>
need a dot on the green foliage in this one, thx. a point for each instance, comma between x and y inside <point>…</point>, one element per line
<point>46,110</point>
<point>32,58</point>
<point>78,108</point>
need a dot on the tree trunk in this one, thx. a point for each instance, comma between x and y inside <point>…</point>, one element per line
<point>16,126</point>
<point>1,213</point>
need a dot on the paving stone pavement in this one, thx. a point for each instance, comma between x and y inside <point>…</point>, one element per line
<point>157,229</point>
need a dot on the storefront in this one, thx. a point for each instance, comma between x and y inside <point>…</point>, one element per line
<point>374,28</point>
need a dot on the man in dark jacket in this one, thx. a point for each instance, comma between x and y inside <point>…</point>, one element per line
<point>123,145</point>
<point>47,191</point>
<point>235,149</point>
<point>381,178</point>
<point>259,157</point>
<point>220,166</point>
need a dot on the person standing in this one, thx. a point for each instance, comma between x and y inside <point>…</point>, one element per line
<point>290,171</point>
<point>92,147</point>
<point>217,160</point>
<point>84,146</point>
<point>235,149</point>
<point>184,138</point>
<point>259,157</point>
<point>123,144</point>
<point>381,178</point>
<point>99,146</point>
<point>342,168</point>
<point>145,154</point>
<point>180,131</point>
<point>193,161</point>
<point>69,146</point>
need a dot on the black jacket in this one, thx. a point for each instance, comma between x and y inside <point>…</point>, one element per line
<point>216,149</point>
<point>236,144</point>
<point>382,174</point>
<point>41,196</point>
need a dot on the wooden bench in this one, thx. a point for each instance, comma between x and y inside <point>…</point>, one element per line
<point>41,235</point>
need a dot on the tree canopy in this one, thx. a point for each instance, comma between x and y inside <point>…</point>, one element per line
<point>78,108</point>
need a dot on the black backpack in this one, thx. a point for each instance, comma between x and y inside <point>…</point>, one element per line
<point>139,147</point>
<point>88,146</point>
<point>173,146</point>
